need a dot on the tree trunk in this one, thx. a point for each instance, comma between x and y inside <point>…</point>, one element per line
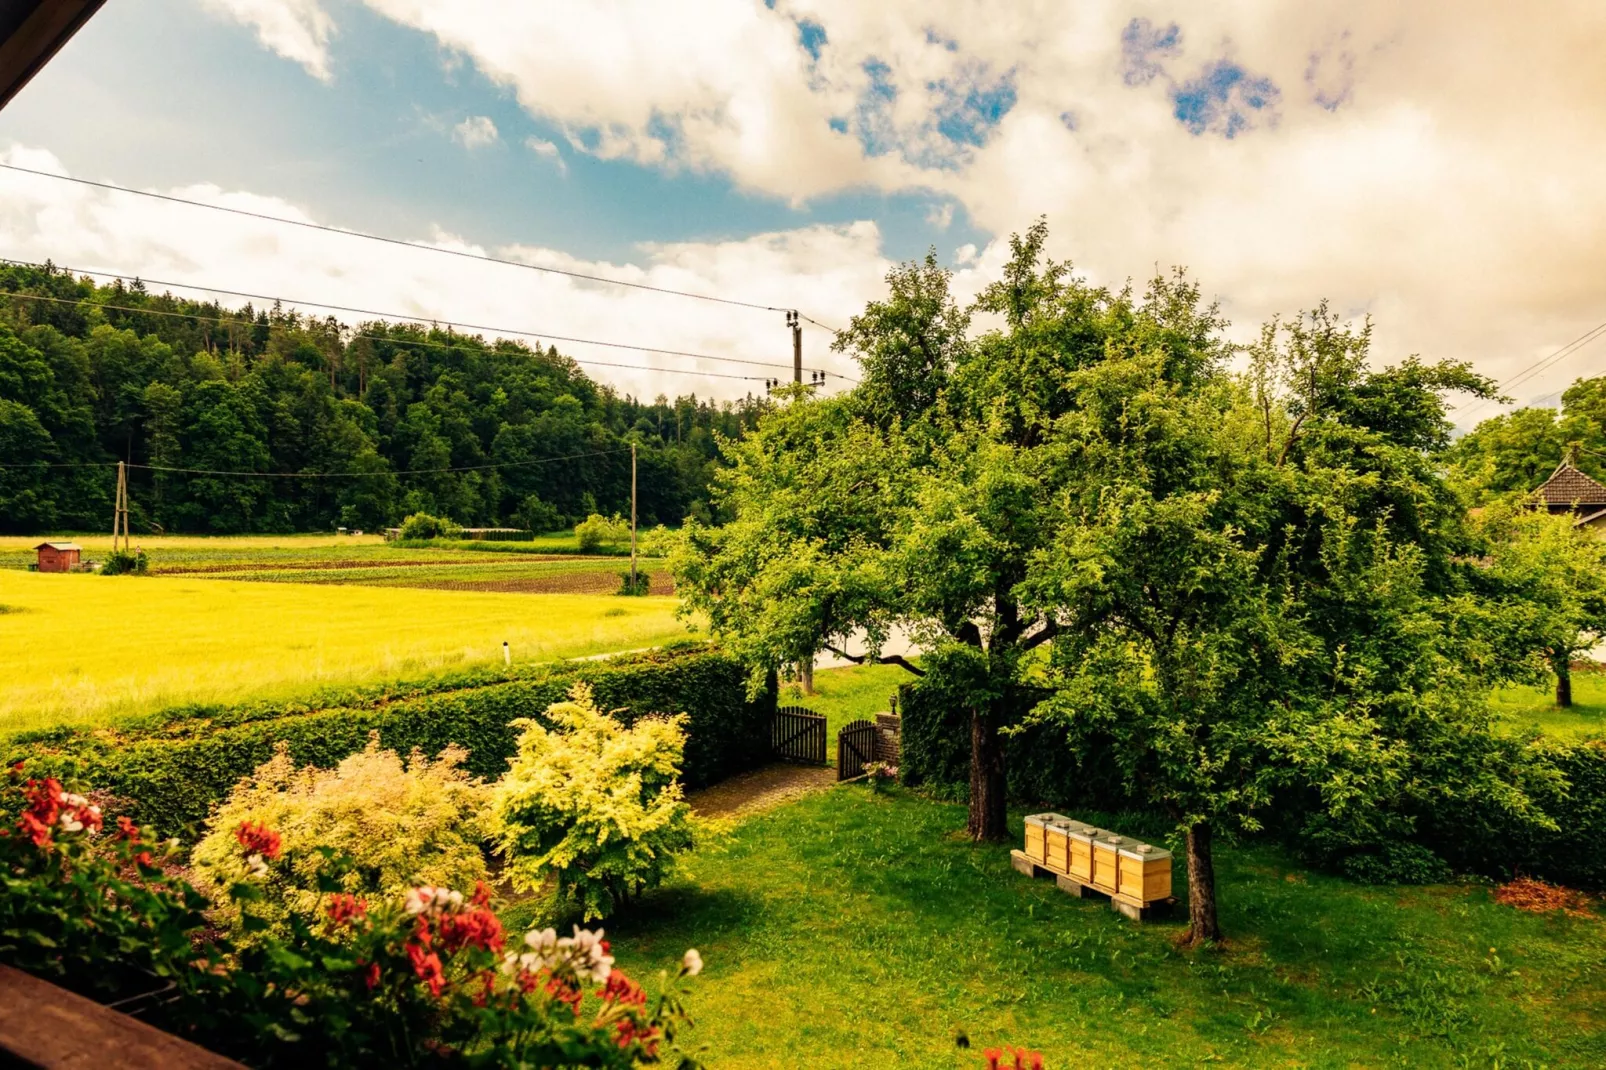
<point>1564,682</point>
<point>808,675</point>
<point>1202,923</point>
<point>986,778</point>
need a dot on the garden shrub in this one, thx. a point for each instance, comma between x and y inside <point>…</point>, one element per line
<point>425,526</point>
<point>539,516</point>
<point>1401,862</point>
<point>173,769</point>
<point>638,585</point>
<point>427,978</point>
<point>594,803</point>
<point>400,825</point>
<point>125,563</point>
<point>597,531</point>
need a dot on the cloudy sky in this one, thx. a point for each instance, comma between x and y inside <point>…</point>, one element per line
<point>1437,165</point>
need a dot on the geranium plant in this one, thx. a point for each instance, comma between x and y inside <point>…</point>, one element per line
<point>879,775</point>
<point>592,803</point>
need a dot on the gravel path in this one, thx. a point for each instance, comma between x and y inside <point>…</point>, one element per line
<point>761,789</point>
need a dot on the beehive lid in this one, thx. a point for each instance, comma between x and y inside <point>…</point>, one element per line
<point>1114,841</point>
<point>1039,819</point>
<point>1146,852</point>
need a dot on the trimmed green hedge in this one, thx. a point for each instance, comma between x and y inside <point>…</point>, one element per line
<point>171,771</point>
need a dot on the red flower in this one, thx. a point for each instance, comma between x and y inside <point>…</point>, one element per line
<point>621,989</point>
<point>143,858</point>
<point>427,965</point>
<point>127,830</point>
<point>38,831</point>
<point>471,928</point>
<point>564,992</point>
<point>258,839</point>
<point>345,909</point>
<point>372,976</point>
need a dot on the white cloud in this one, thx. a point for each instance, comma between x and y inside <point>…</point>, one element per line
<point>941,216</point>
<point>549,149</point>
<point>298,30</point>
<point>829,271</point>
<point>1436,165</point>
<point>475,132</point>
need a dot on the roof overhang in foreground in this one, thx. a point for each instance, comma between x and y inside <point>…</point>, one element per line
<point>31,32</point>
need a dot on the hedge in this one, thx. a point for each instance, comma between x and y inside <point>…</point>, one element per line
<point>1044,772</point>
<point>170,771</point>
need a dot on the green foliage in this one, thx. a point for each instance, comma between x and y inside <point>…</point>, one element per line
<point>92,374</point>
<point>593,804</point>
<point>597,532</point>
<point>421,526</point>
<point>425,979</point>
<point>636,585</point>
<point>538,516</point>
<point>397,824</point>
<point>125,563</point>
<point>1511,454</point>
<point>1397,863</point>
<point>174,768</point>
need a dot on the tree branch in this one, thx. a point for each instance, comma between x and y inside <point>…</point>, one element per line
<point>1048,631</point>
<point>860,659</point>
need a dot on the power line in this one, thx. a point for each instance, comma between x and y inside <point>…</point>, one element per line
<point>365,475</point>
<point>1540,365</point>
<point>400,316</point>
<point>373,337</point>
<point>396,241</point>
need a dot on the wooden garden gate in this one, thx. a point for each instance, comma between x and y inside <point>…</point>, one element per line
<point>855,745</point>
<point>798,735</point>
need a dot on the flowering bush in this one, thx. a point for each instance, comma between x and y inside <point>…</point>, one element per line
<point>1022,1059</point>
<point>592,803</point>
<point>880,774</point>
<point>422,979</point>
<point>399,824</point>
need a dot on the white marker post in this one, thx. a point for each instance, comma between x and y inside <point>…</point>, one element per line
<point>507,655</point>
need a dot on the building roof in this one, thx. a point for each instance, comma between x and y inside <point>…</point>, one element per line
<point>1568,486</point>
<point>32,31</point>
<point>59,546</point>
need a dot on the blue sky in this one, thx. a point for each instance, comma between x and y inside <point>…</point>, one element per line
<point>161,93</point>
<point>791,151</point>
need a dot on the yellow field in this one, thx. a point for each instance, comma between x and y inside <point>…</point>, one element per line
<point>86,648</point>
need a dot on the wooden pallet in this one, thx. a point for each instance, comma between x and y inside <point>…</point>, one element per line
<point>1135,909</point>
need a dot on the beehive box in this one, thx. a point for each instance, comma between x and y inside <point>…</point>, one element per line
<point>1080,842</point>
<point>1106,875</point>
<point>1145,873</point>
<point>1036,847</point>
<point>1060,837</point>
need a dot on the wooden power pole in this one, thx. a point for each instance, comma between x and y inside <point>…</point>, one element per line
<point>120,510</point>
<point>794,322</point>
<point>632,518</point>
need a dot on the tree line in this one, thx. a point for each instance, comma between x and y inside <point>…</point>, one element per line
<point>1241,581</point>
<point>411,417</point>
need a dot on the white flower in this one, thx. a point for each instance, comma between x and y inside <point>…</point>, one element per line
<point>544,941</point>
<point>258,867</point>
<point>70,823</point>
<point>691,963</point>
<point>453,896</point>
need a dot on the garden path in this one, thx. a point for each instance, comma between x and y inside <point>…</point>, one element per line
<point>761,789</point>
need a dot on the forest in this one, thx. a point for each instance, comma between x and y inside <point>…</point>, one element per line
<point>395,418</point>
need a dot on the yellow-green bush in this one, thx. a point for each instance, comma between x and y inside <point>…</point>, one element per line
<point>592,803</point>
<point>400,823</point>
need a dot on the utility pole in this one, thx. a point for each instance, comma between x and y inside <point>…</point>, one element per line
<point>793,321</point>
<point>120,510</point>
<point>632,518</point>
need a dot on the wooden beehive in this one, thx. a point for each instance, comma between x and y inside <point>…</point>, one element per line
<point>1145,873</point>
<point>1056,834</point>
<point>1081,852</point>
<point>1036,847</point>
<point>1106,861</point>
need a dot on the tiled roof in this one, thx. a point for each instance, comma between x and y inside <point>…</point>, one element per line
<point>59,546</point>
<point>1568,486</point>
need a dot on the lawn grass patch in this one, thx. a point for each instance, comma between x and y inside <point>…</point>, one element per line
<point>1522,708</point>
<point>848,694</point>
<point>848,930</point>
<point>94,649</point>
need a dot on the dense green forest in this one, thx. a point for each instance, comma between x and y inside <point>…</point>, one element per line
<point>1516,451</point>
<point>91,374</point>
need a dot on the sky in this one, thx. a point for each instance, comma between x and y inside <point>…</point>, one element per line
<point>1436,166</point>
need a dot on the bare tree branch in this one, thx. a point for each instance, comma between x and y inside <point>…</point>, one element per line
<point>861,659</point>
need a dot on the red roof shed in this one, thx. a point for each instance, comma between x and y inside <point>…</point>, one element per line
<point>58,556</point>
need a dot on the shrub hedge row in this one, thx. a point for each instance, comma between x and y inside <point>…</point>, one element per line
<point>171,771</point>
<point>1044,772</point>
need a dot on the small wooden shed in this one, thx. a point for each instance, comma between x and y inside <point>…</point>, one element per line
<point>58,556</point>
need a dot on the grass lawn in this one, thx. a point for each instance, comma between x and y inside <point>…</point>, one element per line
<point>1535,707</point>
<point>848,930</point>
<point>85,648</point>
<point>848,694</point>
